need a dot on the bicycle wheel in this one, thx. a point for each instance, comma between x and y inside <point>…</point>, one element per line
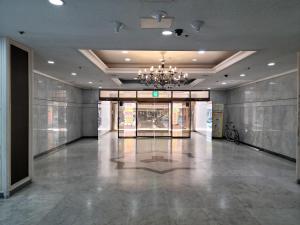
<point>227,135</point>
<point>236,137</point>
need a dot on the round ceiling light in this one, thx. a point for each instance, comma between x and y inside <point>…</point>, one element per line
<point>271,64</point>
<point>51,62</point>
<point>194,60</point>
<point>124,52</point>
<point>90,82</point>
<point>224,83</point>
<point>201,52</point>
<point>127,59</point>
<point>166,33</point>
<point>56,2</point>
<point>242,75</point>
<point>74,74</point>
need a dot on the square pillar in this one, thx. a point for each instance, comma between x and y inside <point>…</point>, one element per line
<point>15,116</point>
<point>298,124</point>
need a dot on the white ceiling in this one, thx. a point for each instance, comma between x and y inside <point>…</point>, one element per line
<point>270,27</point>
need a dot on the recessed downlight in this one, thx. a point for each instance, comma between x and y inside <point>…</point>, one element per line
<point>127,59</point>
<point>208,88</point>
<point>74,74</point>
<point>167,33</point>
<point>201,52</point>
<point>224,83</point>
<point>51,62</point>
<point>90,82</point>
<point>56,2</point>
<point>242,75</point>
<point>125,52</point>
<point>271,64</point>
<point>99,87</point>
<point>194,60</point>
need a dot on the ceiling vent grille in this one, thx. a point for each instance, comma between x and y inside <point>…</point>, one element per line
<point>157,1</point>
<point>150,23</point>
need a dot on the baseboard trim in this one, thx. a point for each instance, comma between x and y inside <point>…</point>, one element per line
<point>61,147</point>
<point>20,187</point>
<point>270,152</point>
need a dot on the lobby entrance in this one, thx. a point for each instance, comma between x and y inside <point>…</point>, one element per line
<point>149,113</point>
<point>154,119</point>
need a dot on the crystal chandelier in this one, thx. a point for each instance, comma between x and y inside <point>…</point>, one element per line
<point>162,77</point>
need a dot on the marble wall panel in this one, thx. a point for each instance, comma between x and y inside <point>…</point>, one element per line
<point>90,113</point>
<point>57,113</point>
<point>265,113</point>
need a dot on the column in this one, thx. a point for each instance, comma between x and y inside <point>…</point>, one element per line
<point>298,125</point>
<point>15,116</point>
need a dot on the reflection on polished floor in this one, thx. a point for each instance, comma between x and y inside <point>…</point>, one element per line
<point>157,181</point>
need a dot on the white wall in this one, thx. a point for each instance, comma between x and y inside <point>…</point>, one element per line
<point>202,122</point>
<point>105,115</point>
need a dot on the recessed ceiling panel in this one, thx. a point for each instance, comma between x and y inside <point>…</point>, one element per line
<point>187,59</point>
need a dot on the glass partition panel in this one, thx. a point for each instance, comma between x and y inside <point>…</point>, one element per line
<point>127,94</point>
<point>154,119</point>
<point>199,94</point>
<point>181,119</point>
<point>127,119</point>
<point>108,94</point>
<point>181,94</point>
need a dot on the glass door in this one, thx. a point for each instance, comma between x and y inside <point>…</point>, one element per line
<point>181,119</point>
<point>154,119</point>
<point>127,119</point>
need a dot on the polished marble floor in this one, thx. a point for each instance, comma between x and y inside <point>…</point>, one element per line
<point>165,181</point>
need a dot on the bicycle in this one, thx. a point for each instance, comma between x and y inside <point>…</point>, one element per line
<point>231,134</point>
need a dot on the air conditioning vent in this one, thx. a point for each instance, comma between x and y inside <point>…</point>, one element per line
<point>150,23</point>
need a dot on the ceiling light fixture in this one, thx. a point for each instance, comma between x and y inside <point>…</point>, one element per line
<point>56,2</point>
<point>242,75</point>
<point>99,87</point>
<point>271,64</point>
<point>124,52</point>
<point>224,83</point>
<point>127,59</point>
<point>90,82</point>
<point>201,52</point>
<point>208,88</point>
<point>51,62</point>
<point>167,33</point>
<point>194,60</point>
<point>162,77</point>
<point>74,74</point>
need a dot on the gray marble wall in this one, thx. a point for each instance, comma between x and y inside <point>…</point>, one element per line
<point>219,97</point>
<point>90,113</point>
<point>265,113</point>
<point>57,113</point>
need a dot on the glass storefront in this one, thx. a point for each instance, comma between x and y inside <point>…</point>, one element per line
<point>153,113</point>
<point>154,119</point>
